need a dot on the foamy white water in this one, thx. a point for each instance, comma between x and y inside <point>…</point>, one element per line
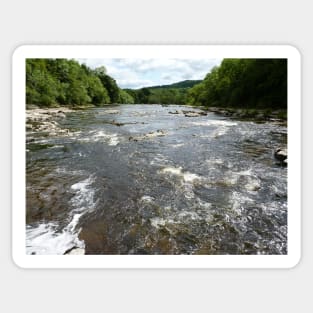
<point>101,136</point>
<point>178,171</point>
<point>214,123</point>
<point>46,238</point>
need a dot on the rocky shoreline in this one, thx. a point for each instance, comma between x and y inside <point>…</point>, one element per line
<point>44,120</point>
<point>256,114</point>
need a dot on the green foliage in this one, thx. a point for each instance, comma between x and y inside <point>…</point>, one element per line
<point>125,97</point>
<point>98,94</point>
<point>238,83</point>
<point>243,83</point>
<point>109,83</point>
<point>52,82</point>
<point>143,95</point>
<point>41,87</point>
<point>179,85</point>
<point>167,94</point>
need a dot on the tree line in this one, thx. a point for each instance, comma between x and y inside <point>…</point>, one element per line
<point>51,82</point>
<point>243,83</point>
<point>239,83</point>
<point>165,94</point>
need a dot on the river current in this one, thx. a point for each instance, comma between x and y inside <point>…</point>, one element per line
<point>139,179</point>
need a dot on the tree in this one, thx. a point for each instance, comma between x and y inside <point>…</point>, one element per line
<point>248,83</point>
<point>108,83</point>
<point>41,88</point>
<point>51,82</point>
<point>125,97</point>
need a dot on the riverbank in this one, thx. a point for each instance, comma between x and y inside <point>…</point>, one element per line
<point>257,114</point>
<point>45,120</point>
<point>261,114</point>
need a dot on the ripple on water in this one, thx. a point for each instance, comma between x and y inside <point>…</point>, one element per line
<point>187,179</point>
<point>178,171</point>
<point>147,199</point>
<point>215,123</point>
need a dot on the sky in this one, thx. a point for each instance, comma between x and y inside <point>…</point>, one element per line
<point>138,73</point>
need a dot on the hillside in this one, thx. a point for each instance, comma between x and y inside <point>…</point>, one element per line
<point>175,93</point>
<point>178,85</point>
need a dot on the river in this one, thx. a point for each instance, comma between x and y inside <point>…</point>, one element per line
<point>140,179</point>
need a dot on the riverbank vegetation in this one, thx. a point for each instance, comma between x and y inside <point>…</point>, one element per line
<point>54,82</point>
<point>245,84</point>
<point>252,85</point>
<point>166,94</point>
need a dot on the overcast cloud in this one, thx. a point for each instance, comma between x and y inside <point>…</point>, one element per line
<point>137,73</point>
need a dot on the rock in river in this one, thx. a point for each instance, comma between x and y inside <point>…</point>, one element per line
<point>193,113</point>
<point>158,133</point>
<point>281,155</point>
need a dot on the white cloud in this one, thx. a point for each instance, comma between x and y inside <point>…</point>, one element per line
<point>137,73</point>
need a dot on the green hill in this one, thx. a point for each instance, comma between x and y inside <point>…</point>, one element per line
<point>175,93</point>
<point>182,84</point>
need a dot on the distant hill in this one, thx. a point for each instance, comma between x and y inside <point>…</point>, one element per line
<point>183,84</point>
<point>175,93</point>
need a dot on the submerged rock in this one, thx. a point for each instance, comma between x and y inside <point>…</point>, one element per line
<point>158,133</point>
<point>115,123</point>
<point>194,113</point>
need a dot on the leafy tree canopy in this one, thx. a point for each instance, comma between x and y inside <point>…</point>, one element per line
<point>51,82</point>
<point>243,83</point>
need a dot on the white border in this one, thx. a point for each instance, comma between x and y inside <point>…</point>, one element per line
<point>156,261</point>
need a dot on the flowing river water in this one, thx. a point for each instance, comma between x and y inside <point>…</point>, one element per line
<point>138,179</point>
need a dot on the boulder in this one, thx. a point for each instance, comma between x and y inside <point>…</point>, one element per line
<point>280,154</point>
<point>194,113</point>
<point>191,114</point>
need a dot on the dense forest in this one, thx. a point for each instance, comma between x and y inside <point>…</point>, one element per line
<point>51,82</point>
<point>238,83</point>
<point>243,83</point>
<point>166,94</point>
